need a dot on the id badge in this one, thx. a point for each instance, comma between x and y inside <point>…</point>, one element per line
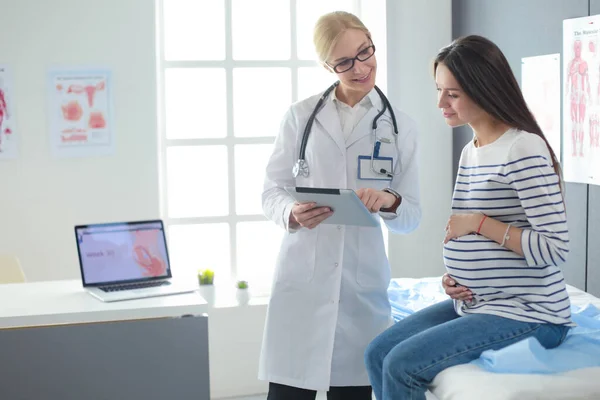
<point>365,172</point>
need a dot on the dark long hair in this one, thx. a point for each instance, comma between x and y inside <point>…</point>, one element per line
<point>482,71</point>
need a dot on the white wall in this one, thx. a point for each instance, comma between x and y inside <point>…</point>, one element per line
<point>416,31</point>
<point>42,198</point>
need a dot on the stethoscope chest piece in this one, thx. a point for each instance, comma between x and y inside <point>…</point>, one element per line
<point>300,168</point>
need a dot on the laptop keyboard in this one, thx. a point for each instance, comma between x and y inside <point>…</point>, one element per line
<point>130,286</point>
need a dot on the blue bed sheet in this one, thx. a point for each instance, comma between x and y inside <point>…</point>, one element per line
<point>408,295</point>
<point>581,348</point>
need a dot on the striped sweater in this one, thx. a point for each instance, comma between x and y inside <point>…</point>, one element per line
<point>512,180</point>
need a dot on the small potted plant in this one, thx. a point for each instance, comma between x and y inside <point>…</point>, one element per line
<point>242,294</point>
<point>205,280</point>
<point>206,277</point>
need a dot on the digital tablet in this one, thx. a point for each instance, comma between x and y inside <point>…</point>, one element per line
<point>347,207</point>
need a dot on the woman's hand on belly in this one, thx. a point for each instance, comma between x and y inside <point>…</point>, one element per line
<point>462,224</point>
<point>456,292</point>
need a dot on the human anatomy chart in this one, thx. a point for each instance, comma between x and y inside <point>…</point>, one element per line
<point>540,81</point>
<point>81,113</point>
<point>581,100</point>
<point>8,134</point>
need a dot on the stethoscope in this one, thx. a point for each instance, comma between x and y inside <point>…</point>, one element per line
<point>301,166</point>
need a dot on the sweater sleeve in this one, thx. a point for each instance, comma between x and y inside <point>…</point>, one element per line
<point>530,172</point>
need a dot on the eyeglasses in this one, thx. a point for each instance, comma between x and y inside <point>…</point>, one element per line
<point>348,64</point>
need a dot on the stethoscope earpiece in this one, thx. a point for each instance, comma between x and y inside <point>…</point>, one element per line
<point>385,172</point>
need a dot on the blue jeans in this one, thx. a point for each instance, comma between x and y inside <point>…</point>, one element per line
<point>403,360</point>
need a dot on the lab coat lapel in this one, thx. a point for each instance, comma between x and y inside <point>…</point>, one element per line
<point>364,127</point>
<point>330,121</point>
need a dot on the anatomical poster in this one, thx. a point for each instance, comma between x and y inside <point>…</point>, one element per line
<point>8,134</point>
<point>81,113</point>
<point>581,100</point>
<point>540,82</point>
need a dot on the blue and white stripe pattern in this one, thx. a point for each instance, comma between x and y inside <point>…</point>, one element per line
<point>512,180</point>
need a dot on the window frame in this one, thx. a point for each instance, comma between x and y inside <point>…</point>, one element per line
<point>230,140</point>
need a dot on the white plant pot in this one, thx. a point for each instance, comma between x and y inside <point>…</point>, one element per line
<point>208,293</point>
<point>242,296</point>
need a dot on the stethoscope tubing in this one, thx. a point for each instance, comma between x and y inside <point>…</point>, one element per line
<point>301,163</point>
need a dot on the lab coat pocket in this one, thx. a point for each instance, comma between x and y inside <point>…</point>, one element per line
<point>373,269</point>
<point>296,261</point>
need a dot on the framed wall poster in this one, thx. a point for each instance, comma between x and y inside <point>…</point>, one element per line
<point>8,131</point>
<point>81,112</point>
<point>540,82</point>
<point>581,100</point>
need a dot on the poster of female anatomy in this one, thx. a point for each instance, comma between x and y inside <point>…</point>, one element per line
<point>8,134</point>
<point>81,113</point>
<point>540,82</point>
<point>581,100</point>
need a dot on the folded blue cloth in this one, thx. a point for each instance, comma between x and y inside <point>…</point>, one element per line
<point>581,348</point>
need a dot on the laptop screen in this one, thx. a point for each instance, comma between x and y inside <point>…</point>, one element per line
<point>122,252</point>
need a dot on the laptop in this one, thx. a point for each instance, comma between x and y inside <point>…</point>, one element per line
<point>126,260</point>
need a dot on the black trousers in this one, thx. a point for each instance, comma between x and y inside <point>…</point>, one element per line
<point>283,392</point>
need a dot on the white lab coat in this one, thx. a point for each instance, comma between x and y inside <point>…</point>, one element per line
<point>329,295</point>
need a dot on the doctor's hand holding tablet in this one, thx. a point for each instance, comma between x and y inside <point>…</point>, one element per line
<point>344,162</point>
<point>310,214</point>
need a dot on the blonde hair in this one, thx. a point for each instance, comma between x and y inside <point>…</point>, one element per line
<point>328,29</point>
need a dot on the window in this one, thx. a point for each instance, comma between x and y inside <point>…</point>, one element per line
<point>228,71</point>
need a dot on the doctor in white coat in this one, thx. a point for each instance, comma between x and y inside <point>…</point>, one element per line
<point>329,295</point>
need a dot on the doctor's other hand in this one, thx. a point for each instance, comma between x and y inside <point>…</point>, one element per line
<point>455,292</point>
<point>374,199</point>
<point>306,215</point>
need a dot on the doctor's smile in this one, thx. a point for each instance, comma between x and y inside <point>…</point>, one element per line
<point>363,79</point>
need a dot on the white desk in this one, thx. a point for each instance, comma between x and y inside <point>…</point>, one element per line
<point>65,302</point>
<point>59,342</point>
